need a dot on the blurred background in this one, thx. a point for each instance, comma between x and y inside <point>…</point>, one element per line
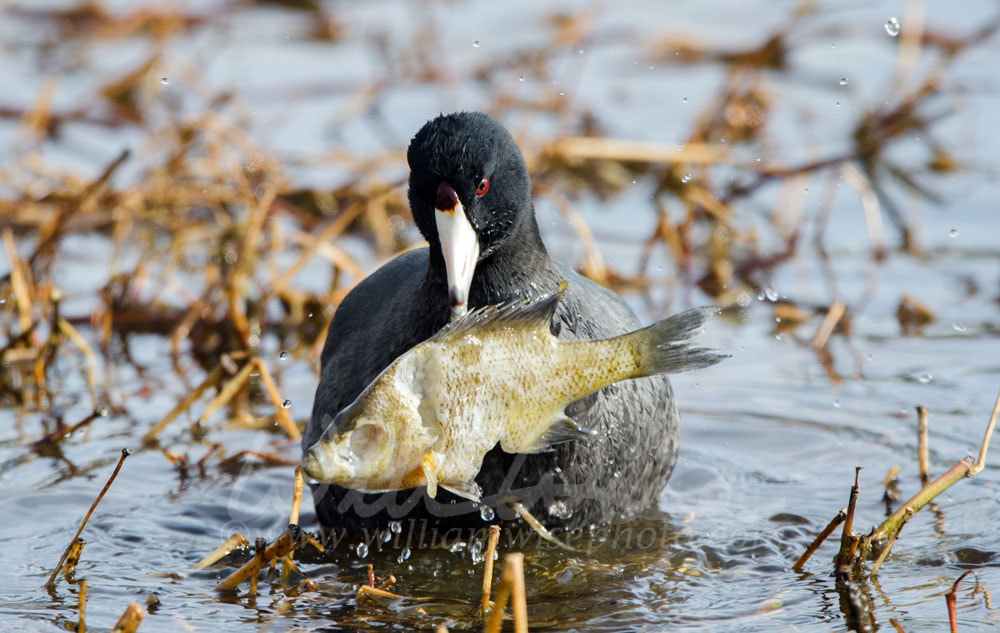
<point>187,190</point>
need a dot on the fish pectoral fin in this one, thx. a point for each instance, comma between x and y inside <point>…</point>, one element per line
<point>469,490</point>
<point>563,429</point>
<point>430,474</point>
<point>537,526</point>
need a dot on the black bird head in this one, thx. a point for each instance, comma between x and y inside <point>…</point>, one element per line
<point>470,194</point>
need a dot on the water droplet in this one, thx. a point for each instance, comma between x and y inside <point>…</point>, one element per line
<point>684,100</point>
<point>283,355</point>
<point>164,80</point>
<point>836,404</point>
<point>579,51</point>
<point>362,550</point>
<point>892,27</point>
<point>404,555</point>
<point>843,81</point>
<point>386,536</point>
<point>286,403</point>
<point>521,78</point>
<point>837,104</point>
<point>395,527</point>
<point>757,160</point>
<point>924,378</point>
<point>560,510</point>
<point>806,190</point>
<point>562,94</point>
<point>476,552</point>
<point>487,513</point>
<point>457,546</point>
<point>953,233</point>
<point>779,336</point>
<point>958,327</point>
<point>771,293</point>
<point>103,412</point>
<point>686,178</point>
<point>475,44</point>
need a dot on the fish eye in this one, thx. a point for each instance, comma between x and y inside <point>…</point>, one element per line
<point>484,186</point>
<point>366,439</point>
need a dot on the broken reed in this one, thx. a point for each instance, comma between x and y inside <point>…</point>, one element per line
<point>76,542</point>
<point>880,540</point>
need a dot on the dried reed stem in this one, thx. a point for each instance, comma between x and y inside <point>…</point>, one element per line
<point>830,321</point>
<point>620,150</point>
<point>830,527</point>
<point>375,592</point>
<point>259,546</point>
<point>130,620</point>
<point>211,380</point>
<point>922,452</point>
<point>72,558</point>
<point>296,496</point>
<point>843,557</point>
<point>280,547</point>
<point>888,546</point>
<point>491,548</point>
<point>949,599</point>
<point>511,587</point>
<point>284,420</point>
<point>228,391</point>
<point>51,581</point>
<point>81,622</point>
<point>287,561</point>
<point>18,282</point>
<point>81,343</point>
<point>234,541</point>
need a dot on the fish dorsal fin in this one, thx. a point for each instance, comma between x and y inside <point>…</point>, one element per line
<point>538,314</point>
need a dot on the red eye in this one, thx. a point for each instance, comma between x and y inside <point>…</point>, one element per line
<point>484,186</point>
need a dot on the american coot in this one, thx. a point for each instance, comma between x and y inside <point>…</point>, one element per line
<point>470,196</point>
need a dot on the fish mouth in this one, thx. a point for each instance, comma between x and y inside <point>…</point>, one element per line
<point>322,463</point>
<point>459,246</point>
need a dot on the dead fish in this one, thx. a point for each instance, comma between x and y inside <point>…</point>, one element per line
<point>496,374</point>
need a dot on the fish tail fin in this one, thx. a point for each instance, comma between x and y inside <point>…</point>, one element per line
<point>665,348</point>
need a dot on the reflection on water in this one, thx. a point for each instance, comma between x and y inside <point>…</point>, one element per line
<point>769,442</point>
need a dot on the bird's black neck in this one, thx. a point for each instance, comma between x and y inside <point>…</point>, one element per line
<point>519,268</point>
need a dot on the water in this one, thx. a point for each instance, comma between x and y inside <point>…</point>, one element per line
<point>769,442</point>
